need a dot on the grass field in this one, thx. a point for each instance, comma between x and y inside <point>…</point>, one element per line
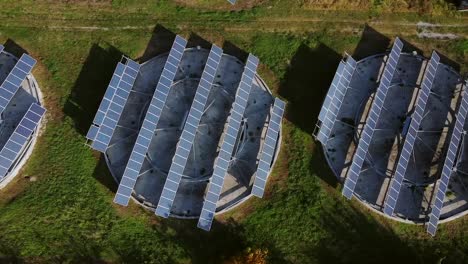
<point>68,215</point>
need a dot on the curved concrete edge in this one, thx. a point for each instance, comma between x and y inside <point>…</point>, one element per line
<point>395,218</point>
<point>26,154</point>
<point>406,221</point>
<point>261,83</point>
<point>369,206</point>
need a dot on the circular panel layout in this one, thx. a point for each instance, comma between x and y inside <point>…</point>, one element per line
<point>388,127</point>
<point>200,163</point>
<point>19,105</point>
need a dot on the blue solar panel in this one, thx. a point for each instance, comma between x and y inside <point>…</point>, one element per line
<point>331,91</point>
<point>268,150</point>
<point>227,145</point>
<point>336,100</point>
<point>132,170</point>
<point>19,138</point>
<point>369,128</point>
<point>405,156</point>
<point>112,105</point>
<point>14,79</point>
<point>233,2</point>
<point>106,101</point>
<point>188,135</point>
<point>449,165</point>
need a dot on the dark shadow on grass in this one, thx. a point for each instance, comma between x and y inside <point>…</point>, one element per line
<point>319,163</point>
<point>233,50</point>
<point>224,241</point>
<point>80,250</point>
<point>161,41</point>
<point>196,40</point>
<point>354,237</point>
<point>372,42</point>
<point>103,175</point>
<point>305,86</point>
<point>446,60</point>
<point>13,48</point>
<point>410,48</point>
<point>306,83</point>
<point>9,253</point>
<point>90,85</point>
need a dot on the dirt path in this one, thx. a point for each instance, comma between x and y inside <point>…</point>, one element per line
<point>298,23</point>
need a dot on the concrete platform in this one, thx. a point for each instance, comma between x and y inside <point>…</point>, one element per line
<point>424,169</point>
<point>189,199</point>
<point>27,94</point>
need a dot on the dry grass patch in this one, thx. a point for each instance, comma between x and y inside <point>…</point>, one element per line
<point>221,5</point>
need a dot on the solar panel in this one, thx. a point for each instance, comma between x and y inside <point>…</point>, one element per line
<point>132,170</point>
<point>408,146</point>
<point>19,138</point>
<point>227,145</point>
<point>369,128</point>
<point>108,122</point>
<point>331,91</point>
<point>337,100</point>
<point>268,150</point>
<point>233,2</point>
<point>106,101</point>
<point>14,79</point>
<point>188,135</point>
<point>448,165</point>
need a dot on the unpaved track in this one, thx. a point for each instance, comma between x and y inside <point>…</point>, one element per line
<point>289,23</point>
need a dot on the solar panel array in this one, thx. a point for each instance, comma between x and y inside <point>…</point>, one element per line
<point>108,123</point>
<point>106,101</point>
<point>14,79</point>
<point>150,122</point>
<point>227,145</point>
<point>268,150</point>
<point>331,92</point>
<point>324,117</point>
<point>188,135</point>
<point>19,138</point>
<point>448,165</point>
<point>337,100</point>
<point>371,125</point>
<point>410,140</point>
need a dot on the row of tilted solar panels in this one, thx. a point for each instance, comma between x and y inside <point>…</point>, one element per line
<point>18,141</point>
<point>111,108</point>
<point>334,101</point>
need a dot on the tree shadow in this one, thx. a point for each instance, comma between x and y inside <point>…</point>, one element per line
<point>90,85</point>
<point>161,41</point>
<point>9,253</point>
<point>354,237</point>
<point>224,241</point>
<point>13,48</point>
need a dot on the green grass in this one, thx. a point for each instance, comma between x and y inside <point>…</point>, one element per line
<point>68,215</point>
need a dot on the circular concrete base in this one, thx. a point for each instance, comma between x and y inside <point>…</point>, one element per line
<point>190,195</point>
<point>27,94</point>
<point>384,152</point>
